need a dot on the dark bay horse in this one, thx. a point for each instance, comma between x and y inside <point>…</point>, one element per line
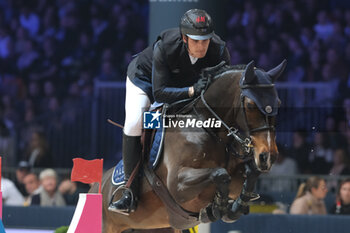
<point>200,166</point>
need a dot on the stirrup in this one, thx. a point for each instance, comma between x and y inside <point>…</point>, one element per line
<point>132,206</point>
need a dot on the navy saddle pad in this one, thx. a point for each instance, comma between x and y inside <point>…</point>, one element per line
<point>118,173</point>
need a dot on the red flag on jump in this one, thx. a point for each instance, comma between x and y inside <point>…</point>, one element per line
<point>87,171</point>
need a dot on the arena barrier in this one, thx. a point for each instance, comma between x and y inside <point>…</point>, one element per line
<point>269,223</point>
<point>88,213</point>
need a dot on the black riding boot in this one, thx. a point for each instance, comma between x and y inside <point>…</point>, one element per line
<point>131,156</point>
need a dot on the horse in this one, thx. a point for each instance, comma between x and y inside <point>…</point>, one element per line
<point>210,173</point>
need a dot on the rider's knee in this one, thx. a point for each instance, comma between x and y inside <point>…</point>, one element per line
<point>132,128</point>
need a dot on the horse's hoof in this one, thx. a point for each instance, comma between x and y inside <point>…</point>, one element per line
<point>227,219</point>
<point>245,210</point>
<point>209,214</point>
<point>254,196</point>
<point>221,176</point>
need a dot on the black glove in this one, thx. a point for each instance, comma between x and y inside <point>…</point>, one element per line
<point>199,86</point>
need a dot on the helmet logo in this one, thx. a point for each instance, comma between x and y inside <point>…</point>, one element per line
<point>200,19</point>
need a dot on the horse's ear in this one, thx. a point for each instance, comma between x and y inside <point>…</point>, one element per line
<point>277,71</point>
<point>249,73</point>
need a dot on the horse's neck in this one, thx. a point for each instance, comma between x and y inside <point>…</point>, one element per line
<point>223,96</point>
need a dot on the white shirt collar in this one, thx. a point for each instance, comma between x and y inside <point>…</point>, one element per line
<point>193,59</point>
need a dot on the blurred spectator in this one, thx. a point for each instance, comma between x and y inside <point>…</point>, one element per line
<point>342,205</point>
<point>21,39</point>
<point>86,52</point>
<point>7,146</point>
<point>108,72</point>
<point>10,194</point>
<point>5,41</point>
<point>49,93</point>
<point>296,57</point>
<point>22,170</point>
<point>29,20</point>
<point>346,107</point>
<point>310,197</point>
<point>283,166</point>
<point>72,105</point>
<point>10,116</point>
<point>314,67</point>
<point>324,28</point>
<point>27,58</point>
<point>340,163</point>
<point>320,156</point>
<point>32,185</point>
<point>333,138</point>
<point>340,167</point>
<point>70,191</point>
<point>48,196</point>
<point>300,151</point>
<point>34,95</point>
<point>46,67</point>
<point>336,65</point>
<point>38,153</point>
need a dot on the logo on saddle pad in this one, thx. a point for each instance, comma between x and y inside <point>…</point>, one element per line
<point>155,120</point>
<point>152,120</point>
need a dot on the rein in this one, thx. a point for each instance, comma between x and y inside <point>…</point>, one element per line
<point>245,143</point>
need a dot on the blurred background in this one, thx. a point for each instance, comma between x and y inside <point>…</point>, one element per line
<point>63,68</point>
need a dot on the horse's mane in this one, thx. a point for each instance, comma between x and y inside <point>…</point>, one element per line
<point>238,67</point>
<point>216,71</point>
<point>213,72</point>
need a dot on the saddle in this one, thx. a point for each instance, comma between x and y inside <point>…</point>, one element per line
<point>151,141</point>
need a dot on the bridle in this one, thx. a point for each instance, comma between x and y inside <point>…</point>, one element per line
<point>244,142</point>
<point>266,126</point>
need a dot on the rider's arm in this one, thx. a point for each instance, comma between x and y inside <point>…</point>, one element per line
<point>161,77</point>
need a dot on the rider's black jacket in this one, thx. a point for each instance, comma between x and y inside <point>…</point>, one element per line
<point>173,72</point>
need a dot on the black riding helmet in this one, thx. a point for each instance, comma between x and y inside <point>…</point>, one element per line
<point>197,25</point>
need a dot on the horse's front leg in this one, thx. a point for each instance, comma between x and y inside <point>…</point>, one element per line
<point>240,206</point>
<point>192,182</point>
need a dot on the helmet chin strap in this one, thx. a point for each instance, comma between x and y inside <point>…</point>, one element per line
<point>185,42</point>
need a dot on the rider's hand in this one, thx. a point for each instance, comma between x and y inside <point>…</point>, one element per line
<point>199,86</point>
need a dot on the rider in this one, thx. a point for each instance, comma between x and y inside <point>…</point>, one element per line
<point>165,72</point>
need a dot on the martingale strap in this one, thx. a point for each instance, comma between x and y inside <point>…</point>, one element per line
<point>171,205</point>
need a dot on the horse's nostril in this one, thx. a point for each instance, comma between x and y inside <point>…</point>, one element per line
<point>263,157</point>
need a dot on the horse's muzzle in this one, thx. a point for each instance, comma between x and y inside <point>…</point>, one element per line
<point>264,163</point>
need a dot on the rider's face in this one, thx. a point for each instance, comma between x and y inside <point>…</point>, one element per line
<point>196,48</point>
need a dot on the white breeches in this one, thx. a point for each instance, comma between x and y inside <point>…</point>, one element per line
<point>136,102</point>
